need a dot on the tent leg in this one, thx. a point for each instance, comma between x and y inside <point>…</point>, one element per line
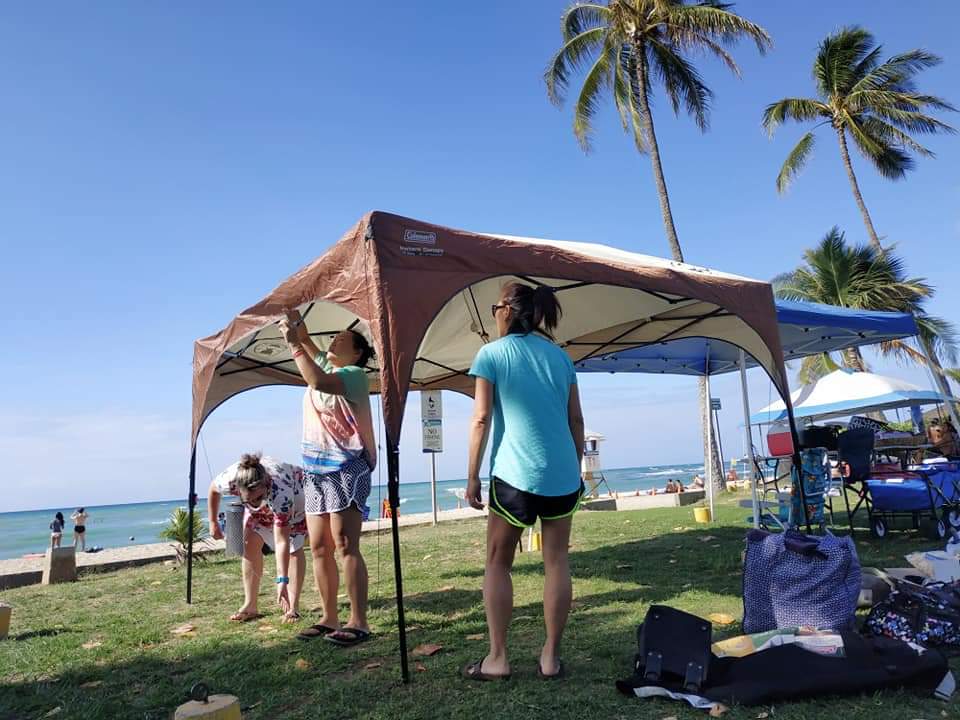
<point>711,480</point>
<point>939,383</point>
<point>393,491</point>
<point>191,502</point>
<point>798,463</point>
<point>748,439</point>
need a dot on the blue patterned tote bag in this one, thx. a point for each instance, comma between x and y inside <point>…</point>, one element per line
<point>792,580</point>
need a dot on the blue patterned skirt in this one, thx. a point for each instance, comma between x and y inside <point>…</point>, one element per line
<point>339,490</point>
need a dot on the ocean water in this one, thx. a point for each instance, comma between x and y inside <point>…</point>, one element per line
<point>139,523</point>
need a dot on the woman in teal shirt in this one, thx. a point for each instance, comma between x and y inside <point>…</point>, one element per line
<point>526,385</point>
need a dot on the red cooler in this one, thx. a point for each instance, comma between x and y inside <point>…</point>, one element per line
<point>779,440</point>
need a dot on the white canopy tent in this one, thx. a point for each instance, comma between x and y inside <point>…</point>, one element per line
<point>847,392</point>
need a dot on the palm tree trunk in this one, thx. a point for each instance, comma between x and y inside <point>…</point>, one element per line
<point>710,453</point>
<point>646,119</point>
<point>845,154</point>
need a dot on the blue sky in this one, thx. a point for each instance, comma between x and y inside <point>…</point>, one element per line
<point>168,164</point>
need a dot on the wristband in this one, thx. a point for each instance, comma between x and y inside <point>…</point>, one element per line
<point>297,353</point>
<point>282,580</point>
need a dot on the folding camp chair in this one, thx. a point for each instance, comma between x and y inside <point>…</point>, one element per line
<point>855,452</point>
<point>773,505</point>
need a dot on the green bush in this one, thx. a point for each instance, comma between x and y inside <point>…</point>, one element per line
<point>178,530</point>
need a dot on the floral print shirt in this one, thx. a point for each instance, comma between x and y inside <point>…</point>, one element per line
<point>284,506</point>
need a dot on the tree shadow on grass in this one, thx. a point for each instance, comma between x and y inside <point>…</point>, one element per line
<point>46,632</point>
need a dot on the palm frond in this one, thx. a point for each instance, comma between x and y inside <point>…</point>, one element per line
<point>581,17</point>
<point>907,119</point>
<point>716,20</point>
<point>598,79</point>
<point>837,58</point>
<point>798,109</point>
<point>682,82</point>
<point>890,134</point>
<point>626,95</point>
<point>898,70</point>
<point>795,162</point>
<point>942,334</point>
<point>572,57</point>
<point>891,162</point>
<point>814,367</point>
<point>699,41</point>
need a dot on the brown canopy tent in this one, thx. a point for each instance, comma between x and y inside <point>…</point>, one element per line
<point>422,293</point>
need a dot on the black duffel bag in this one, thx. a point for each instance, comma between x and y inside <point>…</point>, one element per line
<point>675,646</point>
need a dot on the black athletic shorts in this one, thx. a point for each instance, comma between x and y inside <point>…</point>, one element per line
<point>521,509</point>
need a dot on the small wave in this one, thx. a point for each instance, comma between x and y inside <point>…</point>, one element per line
<point>671,471</point>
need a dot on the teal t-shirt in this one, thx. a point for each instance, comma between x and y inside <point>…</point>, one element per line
<point>532,446</point>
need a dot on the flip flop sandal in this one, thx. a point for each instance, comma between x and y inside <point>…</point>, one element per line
<point>474,671</point>
<point>243,617</point>
<point>561,672</point>
<point>315,631</point>
<point>353,636</point>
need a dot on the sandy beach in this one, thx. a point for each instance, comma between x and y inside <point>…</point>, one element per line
<point>17,572</point>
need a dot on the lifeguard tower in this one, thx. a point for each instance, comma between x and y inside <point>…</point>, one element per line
<point>591,468</point>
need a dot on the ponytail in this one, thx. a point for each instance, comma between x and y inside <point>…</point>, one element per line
<point>534,308</point>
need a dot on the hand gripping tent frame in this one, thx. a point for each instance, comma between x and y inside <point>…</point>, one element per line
<point>423,293</point>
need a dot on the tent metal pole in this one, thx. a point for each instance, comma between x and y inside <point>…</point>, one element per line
<point>393,492</point>
<point>191,501</point>
<point>797,462</point>
<point>748,439</point>
<point>938,384</point>
<point>711,490</point>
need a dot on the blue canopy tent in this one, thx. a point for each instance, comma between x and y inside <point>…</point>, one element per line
<point>805,329</point>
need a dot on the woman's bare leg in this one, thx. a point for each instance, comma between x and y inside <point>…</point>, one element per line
<point>252,569</point>
<point>502,538</point>
<point>557,589</point>
<point>325,573</point>
<point>346,526</point>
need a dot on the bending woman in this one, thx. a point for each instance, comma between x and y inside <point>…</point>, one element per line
<point>527,386</point>
<point>273,515</point>
<point>339,451</point>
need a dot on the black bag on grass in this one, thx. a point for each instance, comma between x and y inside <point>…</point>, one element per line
<point>674,645</point>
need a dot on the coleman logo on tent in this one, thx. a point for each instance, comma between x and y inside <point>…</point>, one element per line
<point>420,237</point>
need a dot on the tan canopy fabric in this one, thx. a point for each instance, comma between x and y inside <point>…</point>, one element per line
<point>423,293</point>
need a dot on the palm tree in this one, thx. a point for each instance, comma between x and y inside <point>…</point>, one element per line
<point>626,45</point>
<point>864,278</point>
<point>875,103</point>
<point>178,531</point>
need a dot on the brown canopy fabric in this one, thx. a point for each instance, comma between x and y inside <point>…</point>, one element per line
<point>423,293</point>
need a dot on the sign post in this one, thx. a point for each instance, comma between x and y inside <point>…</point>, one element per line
<point>431,419</point>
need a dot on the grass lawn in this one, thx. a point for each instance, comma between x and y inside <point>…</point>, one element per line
<point>102,647</point>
